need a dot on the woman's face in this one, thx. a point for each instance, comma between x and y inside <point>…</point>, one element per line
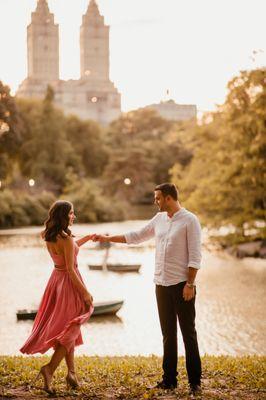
<point>71,216</point>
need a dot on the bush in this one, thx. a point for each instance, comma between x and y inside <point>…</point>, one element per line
<point>90,203</point>
<point>22,209</point>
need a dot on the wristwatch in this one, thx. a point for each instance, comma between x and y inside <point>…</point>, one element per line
<point>190,285</point>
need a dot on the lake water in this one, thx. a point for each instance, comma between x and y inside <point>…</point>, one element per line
<point>230,296</point>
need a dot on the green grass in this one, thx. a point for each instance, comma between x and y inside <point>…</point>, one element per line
<point>128,378</point>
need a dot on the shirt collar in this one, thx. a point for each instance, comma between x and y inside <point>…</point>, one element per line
<point>175,215</point>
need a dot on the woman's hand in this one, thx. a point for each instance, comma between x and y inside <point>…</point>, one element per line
<point>88,299</point>
<point>91,237</point>
<point>101,238</point>
<point>85,239</point>
<point>94,237</point>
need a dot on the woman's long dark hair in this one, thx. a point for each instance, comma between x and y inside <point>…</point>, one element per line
<point>57,221</point>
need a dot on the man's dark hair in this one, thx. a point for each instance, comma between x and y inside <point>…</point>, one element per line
<point>168,189</point>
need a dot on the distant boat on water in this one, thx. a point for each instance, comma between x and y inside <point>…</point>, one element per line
<point>100,308</point>
<point>116,267</point>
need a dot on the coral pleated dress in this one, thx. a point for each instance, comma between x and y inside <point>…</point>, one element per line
<point>61,312</point>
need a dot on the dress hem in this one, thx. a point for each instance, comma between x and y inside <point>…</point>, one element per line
<point>64,337</point>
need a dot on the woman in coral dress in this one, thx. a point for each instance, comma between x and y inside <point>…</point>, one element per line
<point>66,302</point>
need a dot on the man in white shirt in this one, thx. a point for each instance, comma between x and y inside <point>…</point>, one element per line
<point>177,235</point>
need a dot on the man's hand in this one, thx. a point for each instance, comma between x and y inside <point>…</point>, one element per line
<point>188,293</point>
<point>101,238</point>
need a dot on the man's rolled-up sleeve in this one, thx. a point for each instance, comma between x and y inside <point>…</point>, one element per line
<point>146,233</point>
<point>194,243</point>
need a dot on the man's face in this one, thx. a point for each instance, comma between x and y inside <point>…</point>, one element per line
<point>160,200</point>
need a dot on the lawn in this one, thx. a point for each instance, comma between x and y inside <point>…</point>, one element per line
<point>224,378</point>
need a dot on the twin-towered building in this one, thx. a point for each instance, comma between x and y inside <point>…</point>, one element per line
<point>93,95</point>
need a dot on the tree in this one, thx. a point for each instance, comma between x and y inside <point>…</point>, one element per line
<point>90,202</point>
<point>10,130</point>
<point>139,125</point>
<point>46,154</point>
<point>225,181</point>
<point>142,148</point>
<point>128,174</point>
<point>87,141</point>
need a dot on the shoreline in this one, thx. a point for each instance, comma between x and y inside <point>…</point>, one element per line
<point>255,249</point>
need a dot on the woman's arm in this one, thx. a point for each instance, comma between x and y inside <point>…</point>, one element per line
<point>68,245</point>
<point>85,239</point>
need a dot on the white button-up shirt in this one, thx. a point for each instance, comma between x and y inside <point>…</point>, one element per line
<point>178,245</point>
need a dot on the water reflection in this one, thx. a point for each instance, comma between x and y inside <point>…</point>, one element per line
<point>230,311</point>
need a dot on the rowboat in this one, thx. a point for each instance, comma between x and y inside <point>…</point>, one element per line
<point>100,308</point>
<point>116,267</point>
<point>107,307</point>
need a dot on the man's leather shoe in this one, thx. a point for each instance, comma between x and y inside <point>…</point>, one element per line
<point>195,390</point>
<point>165,385</point>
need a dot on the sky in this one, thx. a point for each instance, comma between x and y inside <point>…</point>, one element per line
<point>191,48</point>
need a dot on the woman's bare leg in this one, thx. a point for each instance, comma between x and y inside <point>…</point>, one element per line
<point>71,378</point>
<point>70,361</point>
<point>48,370</point>
<point>57,357</point>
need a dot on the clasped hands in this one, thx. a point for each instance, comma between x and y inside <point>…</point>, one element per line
<point>99,238</point>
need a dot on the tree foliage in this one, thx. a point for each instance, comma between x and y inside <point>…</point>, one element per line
<point>24,209</point>
<point>91,205</point>
<point>142,149</point>
<point>87,142</point>
<point>10,130</point>
<point>46,154</point>
<point>225,181</point>
<point>219,165</point>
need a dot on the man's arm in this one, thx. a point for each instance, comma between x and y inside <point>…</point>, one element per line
<point>106,238</point>
<point>192,272</point>
<point>194,257</point>
<point>194,243</point>
<point>146,233</point>
<point>189,288</point>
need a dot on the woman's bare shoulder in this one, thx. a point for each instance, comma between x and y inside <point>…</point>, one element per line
<point>65,241</point>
